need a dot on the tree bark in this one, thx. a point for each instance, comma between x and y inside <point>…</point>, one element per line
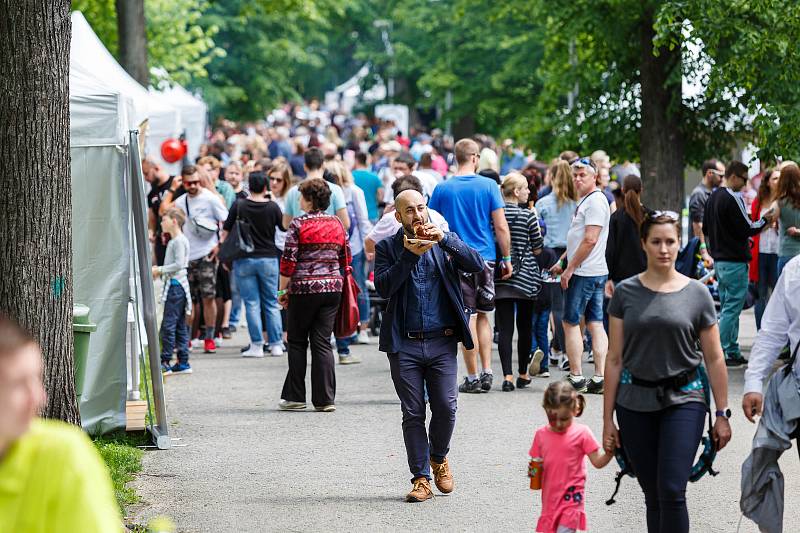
<point>132,31</point>
<point>661,137</point>
<point>35,199</point>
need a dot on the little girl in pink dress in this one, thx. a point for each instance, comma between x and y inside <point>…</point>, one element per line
<point>562,446</point>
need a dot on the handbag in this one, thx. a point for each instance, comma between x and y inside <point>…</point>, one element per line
<point>203,228</point>
<point>239,242</point>
<point>347,316</point>
<point>516,257</point>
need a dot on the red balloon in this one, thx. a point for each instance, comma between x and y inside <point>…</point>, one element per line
<point>173,150</point>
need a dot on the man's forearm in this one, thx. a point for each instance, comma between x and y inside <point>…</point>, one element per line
<point>697,230</point>
<point>584,249</point>
<point>504,240</point>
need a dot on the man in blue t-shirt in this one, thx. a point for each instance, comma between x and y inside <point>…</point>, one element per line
<point>313,165</point>
<point>473,207</point>
<point>370,183</point>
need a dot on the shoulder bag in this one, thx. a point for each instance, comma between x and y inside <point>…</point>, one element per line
<point>239,242</point>
<point>347,316</point>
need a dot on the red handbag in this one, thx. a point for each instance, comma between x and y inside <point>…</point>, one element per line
<point>347,316</point>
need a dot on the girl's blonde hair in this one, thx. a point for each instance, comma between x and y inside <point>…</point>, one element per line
<point>563,187</point>
<point>343,176</point>
<point>511,182</point>
<point>561,394</point>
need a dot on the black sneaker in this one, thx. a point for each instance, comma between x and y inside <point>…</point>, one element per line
<point>232,328</point>
<point>734,362</point>
<point>486,381</point>
<point>595,385</point>
<point>470,386</point>
<point>507,386</point>
<point>578,382</point>
<point>522,383</point>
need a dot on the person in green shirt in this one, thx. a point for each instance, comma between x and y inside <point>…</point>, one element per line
<point>52,479</point>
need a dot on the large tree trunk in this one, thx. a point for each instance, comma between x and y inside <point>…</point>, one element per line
<point>35,199</point>
<point>661,139</point>
<point>132,31</point>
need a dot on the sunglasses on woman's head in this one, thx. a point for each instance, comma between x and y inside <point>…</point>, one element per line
<point>672,215</point>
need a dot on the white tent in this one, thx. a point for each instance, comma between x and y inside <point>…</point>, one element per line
<point>194,114</point>
<point>109,236</point>
<point>90,58</point>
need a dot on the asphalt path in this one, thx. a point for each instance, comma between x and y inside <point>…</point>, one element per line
<point>245,466</point>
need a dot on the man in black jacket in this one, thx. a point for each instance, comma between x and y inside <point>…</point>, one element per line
<point>422,326</point>
<point>728,227</point>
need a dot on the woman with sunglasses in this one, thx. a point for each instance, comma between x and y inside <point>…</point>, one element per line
<point>280,181</point>
<point>654,382</point>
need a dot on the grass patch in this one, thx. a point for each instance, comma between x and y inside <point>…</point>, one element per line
<point>123,459</point>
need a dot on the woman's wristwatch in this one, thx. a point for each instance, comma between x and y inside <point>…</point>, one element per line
<point>726,413</point>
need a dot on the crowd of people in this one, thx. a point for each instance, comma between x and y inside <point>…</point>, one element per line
<point>468,242</point>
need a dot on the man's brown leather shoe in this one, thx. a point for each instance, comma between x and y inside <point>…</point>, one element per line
<point>442,476</point>
<point>421,491</point>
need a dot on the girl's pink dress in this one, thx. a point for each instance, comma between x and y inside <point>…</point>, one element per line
<point>563,475</point>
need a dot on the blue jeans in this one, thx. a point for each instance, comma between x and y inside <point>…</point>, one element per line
<point>661,446</point>
<point>360,275</point>
<point>236,300</point>
<point>174,330</point>
<point>257,278</point>
<point>767,278</point>
<point>732,278</point>
<point>541,321</point>
<point>431,364</point>
<point>584,296</point>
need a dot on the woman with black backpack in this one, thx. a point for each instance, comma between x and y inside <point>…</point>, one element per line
<point>519,291</point>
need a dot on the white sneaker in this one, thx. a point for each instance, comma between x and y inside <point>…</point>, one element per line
<point>536,362</point>
<point>286,405</point>
<point>254,350</point>
<point>363,338</point>
<point>197,343</point>
<point>276,351</point>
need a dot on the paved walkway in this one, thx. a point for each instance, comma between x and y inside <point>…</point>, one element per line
<point>248,467</point>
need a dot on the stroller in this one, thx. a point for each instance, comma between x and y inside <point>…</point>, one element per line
<point>689,263</point>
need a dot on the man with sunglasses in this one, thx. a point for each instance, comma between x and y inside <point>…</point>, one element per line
<point>204,212</point>
<point>713,171</point>
<point>584,273</point>
<point>728,229</point>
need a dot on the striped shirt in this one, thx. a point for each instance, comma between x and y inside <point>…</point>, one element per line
<point>316,249</point>
<point>525,238</point>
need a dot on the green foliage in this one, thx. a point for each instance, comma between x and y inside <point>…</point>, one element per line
<point>176,41</point>
<point>123,459</point>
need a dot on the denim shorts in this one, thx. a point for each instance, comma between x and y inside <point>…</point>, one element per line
<point>584,296</point>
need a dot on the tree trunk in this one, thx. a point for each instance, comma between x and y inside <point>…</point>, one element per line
<point>661,138</point>
<point>35,199</point>
<point>132,31</point>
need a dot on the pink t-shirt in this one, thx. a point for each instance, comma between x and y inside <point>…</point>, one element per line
<point>563,475</point>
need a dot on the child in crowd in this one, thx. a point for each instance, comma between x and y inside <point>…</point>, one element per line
<point>562,446</point>
<point>176,296</point>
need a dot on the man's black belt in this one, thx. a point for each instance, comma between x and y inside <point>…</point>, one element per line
<point>435,334</point>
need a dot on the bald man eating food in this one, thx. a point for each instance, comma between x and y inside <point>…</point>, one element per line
<point>417,270</point>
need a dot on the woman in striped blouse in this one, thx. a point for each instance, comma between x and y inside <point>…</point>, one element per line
<point>519,291</point>
<point>315,251</point>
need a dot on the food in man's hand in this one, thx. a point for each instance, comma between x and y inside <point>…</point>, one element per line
<point>421,232</point>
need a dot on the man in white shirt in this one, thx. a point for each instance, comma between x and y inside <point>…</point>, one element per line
<point>584,276</point>
<point>204,212</point>
<point>780,326</point>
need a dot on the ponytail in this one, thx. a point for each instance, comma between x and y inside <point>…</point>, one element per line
<point>632,203</point>
<point>580,402</point>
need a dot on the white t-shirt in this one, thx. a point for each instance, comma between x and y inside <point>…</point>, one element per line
<point>388,225</point>
<point>592,210</point>
<point>208,209</point>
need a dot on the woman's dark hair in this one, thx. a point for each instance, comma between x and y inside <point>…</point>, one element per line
<point>562,394</point>
<point>317,192</point>
<point>764,194</point>
<point>789,184</point>
<point>632,203</point>
<point>656,218</point>
<point>257,181</point>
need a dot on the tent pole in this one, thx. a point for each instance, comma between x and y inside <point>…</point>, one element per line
<point>159,430</point>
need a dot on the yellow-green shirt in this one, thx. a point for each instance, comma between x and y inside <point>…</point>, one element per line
<point>52,480</point>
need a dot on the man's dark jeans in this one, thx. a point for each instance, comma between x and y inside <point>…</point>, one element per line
<point>174,330</point>
<point>430,364</point>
